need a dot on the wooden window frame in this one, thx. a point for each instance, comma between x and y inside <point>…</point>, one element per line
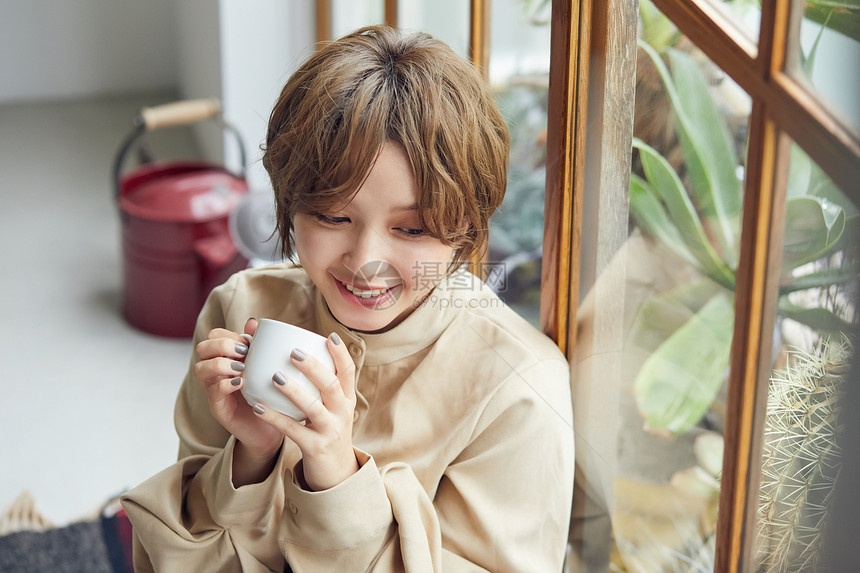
<point>323,18</point>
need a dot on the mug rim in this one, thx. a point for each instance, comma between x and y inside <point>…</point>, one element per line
<point>281,323</point>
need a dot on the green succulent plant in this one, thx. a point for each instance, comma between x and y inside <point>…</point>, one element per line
<point>698,219</point>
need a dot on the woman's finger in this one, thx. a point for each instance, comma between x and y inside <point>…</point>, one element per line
<point>343,364</point>
<point>222,402</point>
<point>235,348</point>
<point>213,370</point>
<point>251,327</point>
<point>309,404</point>
<point>326,381</point>
<point>296,431</point>
<point>229,385</point>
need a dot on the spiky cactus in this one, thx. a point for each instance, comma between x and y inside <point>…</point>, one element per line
<point>801,456</point>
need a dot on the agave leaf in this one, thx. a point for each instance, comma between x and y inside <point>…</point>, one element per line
<point>851,235</point>
<point>840,5</point>
<point>709,155</point>
<point>823,188</point>
<point>665,182</point>
<point>651,217</point>
<point>657,29</point>
<point>799,173</point>
<point>707,146</point>
<point>658,317</point>
<point>808,61</point>
<point>813,228</point>
<point>677,384</point>
<point>805,177</point>
<point>842,16</point>
<point>818,318</point>
<point>821,279</point>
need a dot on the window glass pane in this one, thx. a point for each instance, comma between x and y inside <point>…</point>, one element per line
<point>348,15</point>
<point>519,74</point>
<point>813,349</point>
<point>825,54</point>
<point>447,20</point>
<point>650,398</point>
<point>745,15</point>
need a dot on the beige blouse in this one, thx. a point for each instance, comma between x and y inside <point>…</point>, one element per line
<point>463,431</point>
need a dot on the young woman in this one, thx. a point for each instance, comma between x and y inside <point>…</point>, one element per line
<point>444,439</point>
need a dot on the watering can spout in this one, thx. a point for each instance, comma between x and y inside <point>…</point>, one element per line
<point>218,255</point>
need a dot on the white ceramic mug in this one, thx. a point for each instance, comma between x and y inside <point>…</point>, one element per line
<point>269,352</point>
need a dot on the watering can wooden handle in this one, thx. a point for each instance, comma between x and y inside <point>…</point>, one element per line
<point>173,114</point>
<point>179,113</point>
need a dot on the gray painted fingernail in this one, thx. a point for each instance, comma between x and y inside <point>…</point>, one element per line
<point>335,339</point>
<point>242,349</point>
<point>280,379</point>
<point>298,355</point>
<point>236,381</point>
<point>237,366</point>
<point>248,337</point>
<point>258,409</point>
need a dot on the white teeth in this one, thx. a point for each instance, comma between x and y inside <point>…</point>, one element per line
<point>364,293</point>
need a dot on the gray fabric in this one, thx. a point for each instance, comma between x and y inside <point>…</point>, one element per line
<point>77,548</point>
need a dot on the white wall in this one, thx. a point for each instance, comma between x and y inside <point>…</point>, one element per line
<point>262,44</point>
<point>241,53</point>
<point>56,49</point>
<point>198,57</point>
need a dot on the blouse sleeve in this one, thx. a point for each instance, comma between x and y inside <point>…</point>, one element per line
<point>189,517</point>
<point>503,505</point>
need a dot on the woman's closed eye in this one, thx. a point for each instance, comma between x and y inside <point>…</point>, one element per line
<point>412,232</point>
<point>335,220</point>
<point>330,220</point>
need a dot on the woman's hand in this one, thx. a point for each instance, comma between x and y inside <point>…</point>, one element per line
<point>222,360</point>
<point>325,438</point>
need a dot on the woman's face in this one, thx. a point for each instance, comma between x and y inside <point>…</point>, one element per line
<point>371,259</point>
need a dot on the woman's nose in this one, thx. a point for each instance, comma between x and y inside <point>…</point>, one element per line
<point>367,248</point>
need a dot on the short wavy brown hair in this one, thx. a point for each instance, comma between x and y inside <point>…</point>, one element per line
<point>381,85</point>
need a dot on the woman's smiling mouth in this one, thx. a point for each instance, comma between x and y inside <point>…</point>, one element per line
<point>367,296</point>
<point>366,293</point>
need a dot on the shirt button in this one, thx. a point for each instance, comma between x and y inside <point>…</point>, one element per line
<point>293,506</point>
<point>355,349</point>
